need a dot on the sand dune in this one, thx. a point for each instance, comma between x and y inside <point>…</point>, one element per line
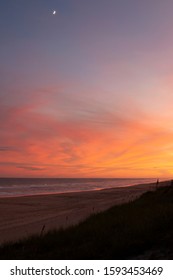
<point>23,216</point>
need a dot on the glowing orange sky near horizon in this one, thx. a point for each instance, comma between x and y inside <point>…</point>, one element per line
<point>84,95</point>
<point>98,144</point>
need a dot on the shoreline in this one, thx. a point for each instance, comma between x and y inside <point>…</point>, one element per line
<point>85,191</point>
<point>26,215</point>
<point>46,192</point>
<point>74,192</point>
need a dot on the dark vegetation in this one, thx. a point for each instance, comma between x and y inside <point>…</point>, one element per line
<point>142,229</point>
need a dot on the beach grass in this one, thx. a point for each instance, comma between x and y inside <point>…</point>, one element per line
<point>141,229</point>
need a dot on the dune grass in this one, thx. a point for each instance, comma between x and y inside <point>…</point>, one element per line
<point>139,229</point>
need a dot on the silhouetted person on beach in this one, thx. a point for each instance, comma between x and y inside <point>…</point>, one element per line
<point>157,183</point>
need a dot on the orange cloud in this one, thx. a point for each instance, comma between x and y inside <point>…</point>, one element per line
<point>94,142</point>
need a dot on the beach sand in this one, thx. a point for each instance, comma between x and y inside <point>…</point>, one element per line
<point>23,216</point>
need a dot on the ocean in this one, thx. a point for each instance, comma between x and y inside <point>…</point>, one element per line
<point>12,187</point>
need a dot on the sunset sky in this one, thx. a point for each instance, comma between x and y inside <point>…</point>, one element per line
<point>87,92</point>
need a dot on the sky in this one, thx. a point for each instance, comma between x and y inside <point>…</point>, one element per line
<point>87,92</point>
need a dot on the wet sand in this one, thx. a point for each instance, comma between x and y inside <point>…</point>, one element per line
<point>23,216</point>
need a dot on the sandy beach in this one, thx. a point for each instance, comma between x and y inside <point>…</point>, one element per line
<point>23,216</point>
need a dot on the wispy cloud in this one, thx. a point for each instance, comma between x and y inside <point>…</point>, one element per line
<point>92,141</point>
<point>31,168</point>
<point>7,148</point>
